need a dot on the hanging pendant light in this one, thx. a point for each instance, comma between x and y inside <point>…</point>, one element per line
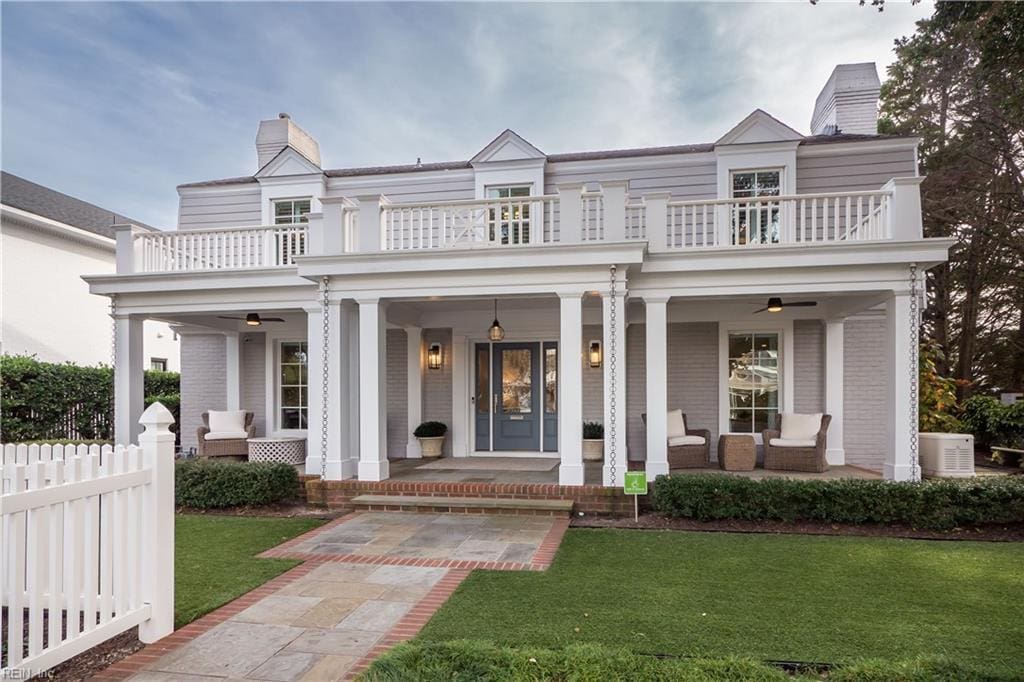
<point>495,333</point>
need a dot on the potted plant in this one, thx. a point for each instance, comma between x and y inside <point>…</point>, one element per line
<point>593,441</point>
<point>431,438</point>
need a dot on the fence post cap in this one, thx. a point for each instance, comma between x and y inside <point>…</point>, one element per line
<point>156,416</point>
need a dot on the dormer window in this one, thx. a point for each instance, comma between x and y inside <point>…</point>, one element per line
<point>509,222</point>
<point>756,222</point>
<point>291,211</point>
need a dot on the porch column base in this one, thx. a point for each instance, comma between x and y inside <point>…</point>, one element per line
<point>570,474</point>
<point>374,471</point>
<point>835,456</point>
<point>337,470</point>
<point>896,472</point>
<point>655,469</point>
<point>621,465</point>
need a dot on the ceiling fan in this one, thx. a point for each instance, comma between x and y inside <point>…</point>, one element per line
<point>253,319</point>
<point>775,305</point>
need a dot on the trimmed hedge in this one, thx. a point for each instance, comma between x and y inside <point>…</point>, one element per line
<point>935,504</point>
<point>463,661</point>
<point>210,484</point>
<point>48,400</point>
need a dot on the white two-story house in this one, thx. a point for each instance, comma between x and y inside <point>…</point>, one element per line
<point>625,282</point>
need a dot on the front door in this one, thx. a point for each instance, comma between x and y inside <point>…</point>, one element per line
<point>515,400</point>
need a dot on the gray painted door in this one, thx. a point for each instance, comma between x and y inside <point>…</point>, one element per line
<point>482,396</point>
<point>517,396</point>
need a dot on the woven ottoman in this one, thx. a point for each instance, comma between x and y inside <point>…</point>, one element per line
<point>283,450</point>
<point>736,452</point>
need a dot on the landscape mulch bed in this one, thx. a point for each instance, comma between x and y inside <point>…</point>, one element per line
<point>88,663</point>
<point>283,510</point>
<point>994,533</point>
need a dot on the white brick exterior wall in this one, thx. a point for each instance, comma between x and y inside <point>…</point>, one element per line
<point>437,385</point>
<point>809,366</point>
<point>203,381</point>
<point>864,387</point>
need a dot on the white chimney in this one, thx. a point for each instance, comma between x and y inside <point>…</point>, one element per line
<point>278,133</point>
<point>849,101</point>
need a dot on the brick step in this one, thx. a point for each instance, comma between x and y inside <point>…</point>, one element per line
<point>463,505</point>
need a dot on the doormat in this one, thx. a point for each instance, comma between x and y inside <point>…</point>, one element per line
<point>491,464</point>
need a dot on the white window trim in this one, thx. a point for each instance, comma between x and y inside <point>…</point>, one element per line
<point>277,200</point>
<point>509,173</point>
<point>784,328</point>
<point>273,384</point>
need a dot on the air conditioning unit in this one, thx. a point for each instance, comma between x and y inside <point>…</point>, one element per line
<point>947,455</point>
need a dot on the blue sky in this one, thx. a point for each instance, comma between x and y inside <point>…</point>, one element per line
<point>119,103</point>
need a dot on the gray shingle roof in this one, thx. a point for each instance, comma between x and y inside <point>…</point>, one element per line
<point>552,158</point>
<point>26,195</point>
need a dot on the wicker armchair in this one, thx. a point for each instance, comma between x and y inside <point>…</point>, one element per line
<point>689,456</point>
<point>236,448</point>
<point>797,458</point>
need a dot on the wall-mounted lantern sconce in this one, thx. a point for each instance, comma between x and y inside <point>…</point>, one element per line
<point>594,354</point>
<point>434,356</point>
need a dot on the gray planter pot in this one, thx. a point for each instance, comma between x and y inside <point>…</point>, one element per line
<point>593,449</point>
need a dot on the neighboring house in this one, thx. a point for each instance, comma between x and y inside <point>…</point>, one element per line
<point>48,240</point>
<point>419,259</point>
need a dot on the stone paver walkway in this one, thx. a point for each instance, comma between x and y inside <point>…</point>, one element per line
<point>370,580</point>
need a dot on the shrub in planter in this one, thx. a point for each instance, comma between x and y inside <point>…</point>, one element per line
<point>593,441</point>
<point>431,437</point>
<point>210,484</point>
<point>937,504</point>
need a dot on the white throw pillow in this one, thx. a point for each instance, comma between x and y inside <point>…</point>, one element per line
<point>789,443</point>
<point>231,421</point>
<point>800,426</point>
<point>685,440</point>
<point>676,426</point>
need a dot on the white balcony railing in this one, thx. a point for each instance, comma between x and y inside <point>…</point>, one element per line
<point>573,215</point>
<point>243,247</point>
<point>796,219</point>
<point>496,222</point>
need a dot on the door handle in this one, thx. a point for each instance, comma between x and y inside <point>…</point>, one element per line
<point>494,404</point>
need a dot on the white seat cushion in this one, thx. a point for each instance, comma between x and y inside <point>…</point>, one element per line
<point>685,440</point>
<point>792,443</point>
<point>800,426</point>
<point>226,435</point>
<point>230,420</point>
<point>676,426</point>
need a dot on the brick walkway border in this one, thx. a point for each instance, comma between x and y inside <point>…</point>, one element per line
<point>405,629</point>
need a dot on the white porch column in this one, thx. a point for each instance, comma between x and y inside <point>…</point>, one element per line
<point>339,466</point>
<point>901,376</point>
<point>834,453</point>
<point>129,393</point>
<point>615,391</point>
<point>373,397</point>
<point>656,335</point>
<point>350,386</point>
<point>570,402</point>
<point>233,370</point>
<point>461,413</point>
<point>414,384</point>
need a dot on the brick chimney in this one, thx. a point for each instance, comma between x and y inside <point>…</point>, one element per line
<point>278,133</point>
<point>849,101</point>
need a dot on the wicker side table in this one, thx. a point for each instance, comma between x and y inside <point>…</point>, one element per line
<point>736,452</point>
<point>284,450</point>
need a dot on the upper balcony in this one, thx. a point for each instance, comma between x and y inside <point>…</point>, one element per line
<point>573,215</point>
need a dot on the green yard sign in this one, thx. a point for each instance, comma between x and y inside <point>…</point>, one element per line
<point>635,483</point>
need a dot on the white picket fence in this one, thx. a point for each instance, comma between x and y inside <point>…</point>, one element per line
<point>88,545</point>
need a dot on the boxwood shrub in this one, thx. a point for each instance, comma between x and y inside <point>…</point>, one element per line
<point>212,484</point>
<point>934,504</point>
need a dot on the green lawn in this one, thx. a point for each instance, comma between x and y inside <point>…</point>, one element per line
<point>215,558</point>
<point>769,597</point>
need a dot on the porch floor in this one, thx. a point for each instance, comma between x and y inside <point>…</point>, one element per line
<point>413,470</point>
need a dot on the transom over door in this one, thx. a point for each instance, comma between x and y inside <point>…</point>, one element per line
<point>515,396</point>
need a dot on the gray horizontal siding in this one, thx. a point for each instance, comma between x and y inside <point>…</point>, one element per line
<point>852,172</point>
<point>684,182</point>
<point>454,188</point>
<point>864,391</point>
<point>219,209</point>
